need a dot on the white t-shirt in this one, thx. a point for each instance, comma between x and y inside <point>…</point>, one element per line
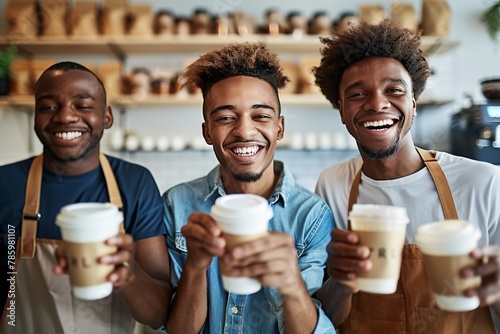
<point>475,187</point>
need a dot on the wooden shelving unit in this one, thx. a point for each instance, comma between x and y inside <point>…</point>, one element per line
<point>125,101</point>
<point>122,47</point>
<point>128,45</point>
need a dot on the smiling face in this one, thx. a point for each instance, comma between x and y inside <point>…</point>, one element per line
<point>243,125</point>
<point>70,117</point>
<point>377,105</point>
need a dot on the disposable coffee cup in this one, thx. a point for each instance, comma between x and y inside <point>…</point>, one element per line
<point>84,229</point>
<point>242,218</point>
<point>382,228</point>
<point>445,247</point>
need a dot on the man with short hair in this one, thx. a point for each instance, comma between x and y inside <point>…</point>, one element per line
<point>71,115</point>
<point>243,122</point>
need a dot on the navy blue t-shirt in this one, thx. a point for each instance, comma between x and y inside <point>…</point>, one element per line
<point>142,204</point>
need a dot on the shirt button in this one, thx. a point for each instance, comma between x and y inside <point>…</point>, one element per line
<point>234,310</point>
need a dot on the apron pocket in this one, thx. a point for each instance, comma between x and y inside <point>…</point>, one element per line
<point>377,313</point>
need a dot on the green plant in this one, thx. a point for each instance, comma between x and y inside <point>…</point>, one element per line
<point>6,56</point>
<point>491,19</point>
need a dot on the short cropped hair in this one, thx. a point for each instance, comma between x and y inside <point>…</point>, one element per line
<point>385,39</point>
<point>238,59</point>
<point>72,66</point>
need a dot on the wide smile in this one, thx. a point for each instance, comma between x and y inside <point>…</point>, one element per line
<point>379,125</point>
<point>70,135</point>
<point>247,151</point>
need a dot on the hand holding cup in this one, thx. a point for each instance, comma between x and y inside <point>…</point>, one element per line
<point>267,259</point>
<point>445,246</point>
<point>242,218</point>
<point>204,240</point>
<point>347,258</point>
<point>122,259</point>
<point>85,227</point>
<point>486,265</point>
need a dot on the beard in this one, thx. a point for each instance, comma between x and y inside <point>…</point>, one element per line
<point>84,151</point>
<point>381,154</point>
<point>248,177</point>
<point>385,153</point>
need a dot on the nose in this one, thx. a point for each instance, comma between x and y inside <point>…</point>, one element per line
<point>376,101</point>
<point>245,128</point>
<point>66,114</point>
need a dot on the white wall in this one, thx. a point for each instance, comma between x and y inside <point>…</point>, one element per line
<point>458,72</point>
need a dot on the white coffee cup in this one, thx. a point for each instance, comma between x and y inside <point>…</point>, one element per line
<point>84,228</point>
<point>445,246</point>
<point>242,218</point>
<point>382,228</point>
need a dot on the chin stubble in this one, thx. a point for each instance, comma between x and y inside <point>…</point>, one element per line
<point>247,177</point>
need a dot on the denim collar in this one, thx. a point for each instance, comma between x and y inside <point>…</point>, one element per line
<point>282,189</point>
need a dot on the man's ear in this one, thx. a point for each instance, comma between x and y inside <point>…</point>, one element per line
<point>108,117</point>
<point>206,133</point>
<point>281,127</point>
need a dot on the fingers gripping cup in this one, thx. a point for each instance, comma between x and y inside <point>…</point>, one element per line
<point>382,229</point>
<point>242,218</point>
<point>84,228</point>
<point>445,247</point>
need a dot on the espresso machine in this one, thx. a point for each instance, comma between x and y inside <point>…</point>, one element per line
<point>475,132</point>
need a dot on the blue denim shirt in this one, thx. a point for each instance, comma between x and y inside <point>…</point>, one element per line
<point>297,211</point>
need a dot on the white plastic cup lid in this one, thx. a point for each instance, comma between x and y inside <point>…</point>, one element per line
<point>447,236</point>
<point>88,215</point>
<point>241,205</point>
<point>375,212</point>
<point>242,213</point>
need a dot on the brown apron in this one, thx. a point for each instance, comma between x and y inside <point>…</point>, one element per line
<point>411,309</point>
<point>43,301</point>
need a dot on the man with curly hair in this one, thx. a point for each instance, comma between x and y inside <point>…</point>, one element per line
<point>243,122</point>
<point>374,75</point>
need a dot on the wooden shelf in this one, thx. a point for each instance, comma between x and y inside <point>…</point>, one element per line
<point>127,101</point>
<point>123,46</point>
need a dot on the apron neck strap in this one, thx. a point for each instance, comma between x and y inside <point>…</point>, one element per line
<point>113,191</point>
<point>437,174</point>
<point>31,210</point>
<point>353,195</point>
<point>442,186</point>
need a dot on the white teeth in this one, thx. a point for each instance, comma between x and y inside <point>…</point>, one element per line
<point>68,135</point>
<point>375,124</point>
<point>246,151</point>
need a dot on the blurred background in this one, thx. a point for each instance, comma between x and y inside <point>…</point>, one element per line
<point>139,48</point>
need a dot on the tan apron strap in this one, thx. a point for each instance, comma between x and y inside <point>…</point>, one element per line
<point>31,208</point>
<point>113,191</point>
<point>353,195</point>
<point>31,213</point>
<point>442,186</point>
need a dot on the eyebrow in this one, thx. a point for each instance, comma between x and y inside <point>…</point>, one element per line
<point>232,107</point>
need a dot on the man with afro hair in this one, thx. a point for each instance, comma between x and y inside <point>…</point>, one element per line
<point>243,122</point>
<point>374,75</point>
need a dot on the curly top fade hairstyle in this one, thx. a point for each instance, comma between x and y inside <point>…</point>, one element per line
<point>385,39</point>
<point>238,59</point>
